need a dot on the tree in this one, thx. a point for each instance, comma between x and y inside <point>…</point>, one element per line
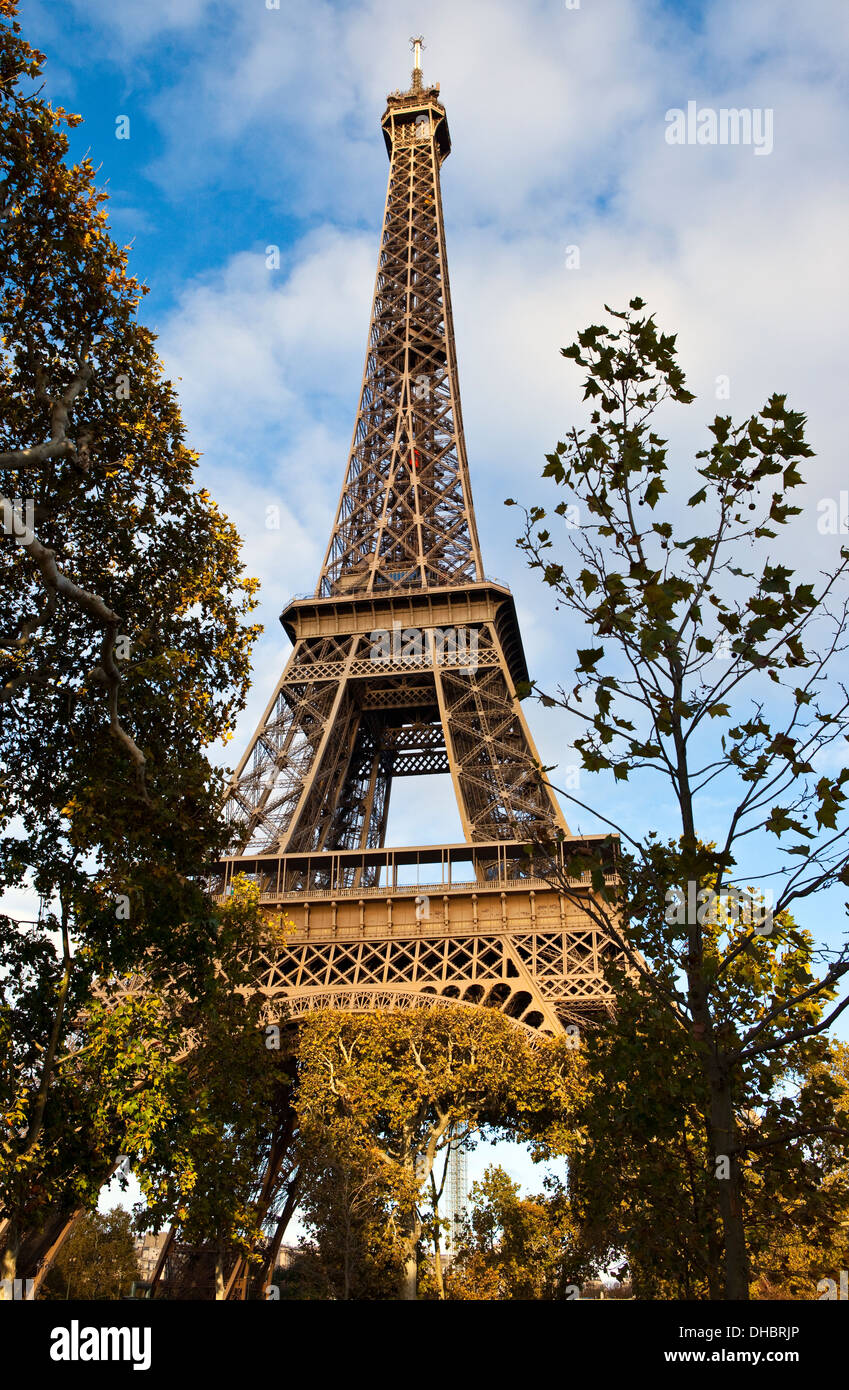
<point>150,1082</point>
<point>396,1088</point>
<point>304,1278</point>
<point>656,1204</point>
<point>218,1161</point>
<point>346,1207</point>
<point>516,1247</point>
<point>646,1101</point>
<point>801,1226</point>
<point>123,650</point>
<point>230,1166</point>
<point>685,632</point>
<point>98,1260</point>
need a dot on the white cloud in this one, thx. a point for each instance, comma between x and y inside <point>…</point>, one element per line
<point>138,22</point>
<point>248,342</point>
<point>558,128</point>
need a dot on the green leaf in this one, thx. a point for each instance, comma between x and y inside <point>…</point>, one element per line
<point>589,657</point>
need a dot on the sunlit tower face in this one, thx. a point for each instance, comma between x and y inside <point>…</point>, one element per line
<point>405,662</point>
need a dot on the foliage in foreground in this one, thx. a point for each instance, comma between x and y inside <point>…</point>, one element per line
<point>123,658</point>
<point>711,669</point>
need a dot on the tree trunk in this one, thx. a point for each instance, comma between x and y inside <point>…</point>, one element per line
<point>9,1265</point>
<point>724,1138</point>
<point>409,1280</point>
<point>412,1227</point>
<point>437,1268</point>
<point>220,1290</point>
<point>715,1280</point>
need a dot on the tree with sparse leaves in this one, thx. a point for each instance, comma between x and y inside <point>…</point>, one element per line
<point>713,670</point>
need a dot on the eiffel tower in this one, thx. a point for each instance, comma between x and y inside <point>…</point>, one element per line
<point>405,662</point>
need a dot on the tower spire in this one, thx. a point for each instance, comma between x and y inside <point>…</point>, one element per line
<point>405,518</point>
<point>417,46</point>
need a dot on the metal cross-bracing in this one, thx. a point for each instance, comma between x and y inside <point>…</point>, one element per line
<point>405,662</point>
<point>356,708</point>
<point>396,928</point>
<point>405,517</point>
<point>520,947</point>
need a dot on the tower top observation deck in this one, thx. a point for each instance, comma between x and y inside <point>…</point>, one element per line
<point>416,114</point>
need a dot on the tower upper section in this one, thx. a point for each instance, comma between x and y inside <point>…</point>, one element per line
<point>405,518</point>
<point>419,108</point>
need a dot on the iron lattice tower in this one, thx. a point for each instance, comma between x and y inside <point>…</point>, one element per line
<point>405,661</point>
<point>457,1192</point>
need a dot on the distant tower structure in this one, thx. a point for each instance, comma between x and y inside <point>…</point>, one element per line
<point>456,1196</point>
<point>404,662</point>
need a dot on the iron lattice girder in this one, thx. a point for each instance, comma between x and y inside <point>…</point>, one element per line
<point>522,947</point>
<point>479,927</point>
<point>405,515</point>
<point>307,754</point>
<point>379,684</point>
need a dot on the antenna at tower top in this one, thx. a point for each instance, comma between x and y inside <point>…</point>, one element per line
<point>417,45</point>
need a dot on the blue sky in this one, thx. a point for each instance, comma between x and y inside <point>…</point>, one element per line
<point>252,126</point>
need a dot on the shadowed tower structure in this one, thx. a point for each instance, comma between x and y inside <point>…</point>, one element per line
<point>405,662</point>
